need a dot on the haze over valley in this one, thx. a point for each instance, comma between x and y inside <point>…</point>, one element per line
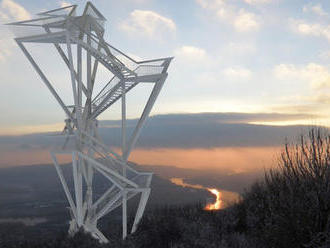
<point>217,150</point>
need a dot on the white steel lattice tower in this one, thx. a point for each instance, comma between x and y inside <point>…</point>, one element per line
<point>66,31</point>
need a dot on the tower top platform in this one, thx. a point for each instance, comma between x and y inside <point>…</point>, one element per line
<point>66,18</point>
<point>87,30</point>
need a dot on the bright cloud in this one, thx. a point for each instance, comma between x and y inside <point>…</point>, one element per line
<point>257,1</point>
<point>211,4</point>
<point>309,100</point>
<point>322,98</point>
<point>239,18</point>
<point>190,53</point>
<point>149,23</point>
<point>311,29</point>
<point>65,4</point>
<point>237,73</point>
<point>9,11</point>
<point>246,21</point>
<point>316,9</point>
<point>315,74</point>
<point>12,11</point>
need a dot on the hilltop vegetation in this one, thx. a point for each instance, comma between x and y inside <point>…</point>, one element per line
<point>292,204</point>
<point>289,207</point>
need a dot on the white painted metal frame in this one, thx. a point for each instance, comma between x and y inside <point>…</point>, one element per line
<point>62,28</point>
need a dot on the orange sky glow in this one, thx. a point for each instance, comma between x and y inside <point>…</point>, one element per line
<point>237,159</point>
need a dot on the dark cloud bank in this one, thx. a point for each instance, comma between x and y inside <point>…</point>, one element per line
<point>203,130</point>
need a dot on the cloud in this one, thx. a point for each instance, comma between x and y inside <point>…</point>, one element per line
<point>246,21</point>
<point>237,73</point>
<point>297,108</point>
<point>65,4</point>
<point>315,74</point>
<point>322,98</point>
<point>316,9</point>
<point>239,18</point>
<point>312,103</point>
<point>254,2</point>
<point>148,23</point>
<point>191,54</point>
<point>211,4</point>
<point>310,29</point>
<point>12,11</point>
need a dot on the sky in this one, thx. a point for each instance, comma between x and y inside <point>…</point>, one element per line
<point>252,56</point>
<point>243,63</point>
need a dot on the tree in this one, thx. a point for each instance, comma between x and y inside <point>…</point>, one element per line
<point>291,206</point>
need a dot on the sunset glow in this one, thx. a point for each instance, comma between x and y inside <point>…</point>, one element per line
<point>30,129</point>
<point>238,159</point>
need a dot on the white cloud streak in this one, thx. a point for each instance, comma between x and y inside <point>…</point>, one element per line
<point>12,11</point>
<point>241,19</point>
<point>148,23</point>
<point>315,74</point>
<point>211,4</point>
<point>190,53</point>
<point>246,21</point>
<point>316,9</point>
<point>254,2</point>
<point>310,29</point>
<point>65,4</point>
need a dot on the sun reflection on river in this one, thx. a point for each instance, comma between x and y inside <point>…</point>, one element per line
<point>218,202</point>
<point>210,206</point>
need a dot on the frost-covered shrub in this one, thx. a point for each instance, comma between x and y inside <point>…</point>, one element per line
<point>291,206</point>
